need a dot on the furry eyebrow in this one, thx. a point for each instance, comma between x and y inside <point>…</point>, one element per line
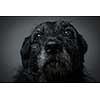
<point>38,31</point>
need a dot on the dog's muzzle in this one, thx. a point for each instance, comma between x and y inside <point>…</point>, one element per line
<point>56,61</point>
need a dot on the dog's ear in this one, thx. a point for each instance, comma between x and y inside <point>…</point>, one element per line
<point>82,44</point>
<point>25,51</point>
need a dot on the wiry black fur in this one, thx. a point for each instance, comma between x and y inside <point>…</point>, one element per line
<point>34,49</point>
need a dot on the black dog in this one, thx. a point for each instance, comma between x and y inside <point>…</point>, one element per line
<point>54,52</point>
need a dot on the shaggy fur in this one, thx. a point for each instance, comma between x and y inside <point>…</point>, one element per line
<point>54,52</point>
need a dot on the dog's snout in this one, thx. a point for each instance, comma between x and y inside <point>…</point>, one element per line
<point>52,47</point>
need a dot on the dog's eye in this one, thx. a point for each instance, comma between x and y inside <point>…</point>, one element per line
<point>69,33</point>
<point>36,36</point>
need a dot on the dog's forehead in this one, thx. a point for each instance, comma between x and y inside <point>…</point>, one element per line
<point>51,27</point>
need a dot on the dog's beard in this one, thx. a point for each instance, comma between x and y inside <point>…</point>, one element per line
<point>56,67</point>
<point>55,71</point>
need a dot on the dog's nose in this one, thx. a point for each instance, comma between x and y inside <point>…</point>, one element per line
<point>52,47</point>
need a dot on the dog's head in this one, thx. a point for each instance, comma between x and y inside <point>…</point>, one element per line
<point>55,49</point>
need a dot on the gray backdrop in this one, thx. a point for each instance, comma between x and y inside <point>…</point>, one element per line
<point>13,30</point>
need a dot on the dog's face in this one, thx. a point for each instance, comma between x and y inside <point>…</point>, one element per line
<point>54,49</point>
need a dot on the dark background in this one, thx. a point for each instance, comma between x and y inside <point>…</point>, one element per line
<point>13,30</point>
